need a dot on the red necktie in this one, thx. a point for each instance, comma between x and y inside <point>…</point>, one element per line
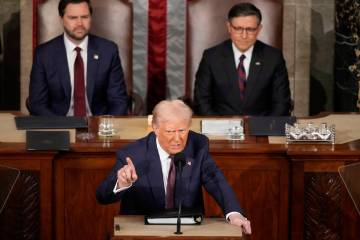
<point>242,77</point>
<point>170,186</point>
<point>79,85</point>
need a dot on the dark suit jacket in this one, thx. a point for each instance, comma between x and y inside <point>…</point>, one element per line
<point>267,87</point>
<point>50,88</point>
<point>147,194</point>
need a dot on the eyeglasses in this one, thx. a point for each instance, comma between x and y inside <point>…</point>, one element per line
<point>240,30</point>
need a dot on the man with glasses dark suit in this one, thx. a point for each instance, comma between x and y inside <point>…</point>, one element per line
<point>242,75</point>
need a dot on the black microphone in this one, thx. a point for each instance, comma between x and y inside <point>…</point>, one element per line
<point>179,161</point>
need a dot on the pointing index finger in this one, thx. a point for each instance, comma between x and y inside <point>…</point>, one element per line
<point>130,163</point>
<point>132,169</point>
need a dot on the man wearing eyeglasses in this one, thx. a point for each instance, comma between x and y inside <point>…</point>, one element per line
<point>242,75</point>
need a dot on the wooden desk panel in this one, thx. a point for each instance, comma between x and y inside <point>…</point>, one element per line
<point>29,208</point>
<point>321,207</point>
<point>258,180</point>
<point>132,227</point>
<point>78,215</point>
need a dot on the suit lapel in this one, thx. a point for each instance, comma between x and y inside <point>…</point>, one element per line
<point>231,72</point>
<point>254,72</point>
<point>93,58</point>
<point>189,153</point>
<point>155,176</point>
<point>186,172</point>
<point>63,67</point>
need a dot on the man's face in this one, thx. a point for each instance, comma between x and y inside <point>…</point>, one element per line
<point>244,31</point>
<point>172,135</point>
<point>77,21</point>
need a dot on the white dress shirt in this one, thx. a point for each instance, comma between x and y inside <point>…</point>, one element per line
<point>165,161</point>
<point>247,60</point>
<point>71,56</point>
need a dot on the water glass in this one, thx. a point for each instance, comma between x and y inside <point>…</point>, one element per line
<point>106,126</point>
<point>236,133</point>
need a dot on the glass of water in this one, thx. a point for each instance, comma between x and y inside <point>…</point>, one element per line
<point>236,133</point>
<point>106,126</point>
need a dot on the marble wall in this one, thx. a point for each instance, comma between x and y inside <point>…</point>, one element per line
<point>308,40</point>
<point>347,56</point>
<point>26,50</point>
<point>296,46</point>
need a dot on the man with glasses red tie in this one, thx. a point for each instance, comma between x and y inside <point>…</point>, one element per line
<point>242,75</point>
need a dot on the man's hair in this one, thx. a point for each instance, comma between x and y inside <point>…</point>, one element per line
<point>170,109</point>
<point>244,10</point>
<point>63,3</point>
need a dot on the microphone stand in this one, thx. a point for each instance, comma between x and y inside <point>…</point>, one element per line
<point>178,222</point>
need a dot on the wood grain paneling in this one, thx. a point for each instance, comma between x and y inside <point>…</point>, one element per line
<point>21,215</point>
<point>77,213</point>
<point>260,182</point>
<point>321,207</point>
<point>28,214</point>
<point>322,203</point>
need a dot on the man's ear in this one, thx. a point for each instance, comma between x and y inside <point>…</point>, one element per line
<point>228,26</point>
<point>155,129</point>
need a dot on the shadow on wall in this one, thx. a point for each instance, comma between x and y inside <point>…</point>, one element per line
<point>321,66</point>
<point>10,64</point>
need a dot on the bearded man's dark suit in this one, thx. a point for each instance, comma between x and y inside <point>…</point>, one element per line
<point>147,194</point>
<point>50,87</point>
<point>267,90</point>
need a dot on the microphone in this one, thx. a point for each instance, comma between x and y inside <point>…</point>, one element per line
<point>179,161</point>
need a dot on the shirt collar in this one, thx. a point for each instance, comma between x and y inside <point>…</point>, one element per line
<point>238,53</point>
<point>70,46</point>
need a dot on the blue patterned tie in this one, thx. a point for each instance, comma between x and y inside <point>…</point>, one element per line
<point>242,77</point>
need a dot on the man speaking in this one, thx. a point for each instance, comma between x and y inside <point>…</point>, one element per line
<point>143,176</point>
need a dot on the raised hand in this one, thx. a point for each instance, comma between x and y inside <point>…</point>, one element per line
<point>126,175</point>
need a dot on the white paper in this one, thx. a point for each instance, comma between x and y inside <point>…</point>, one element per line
<point>184,220</point>
<point>219,126</point>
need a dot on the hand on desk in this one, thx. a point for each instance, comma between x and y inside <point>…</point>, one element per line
<point>126,175</point>
<point>239,220</point>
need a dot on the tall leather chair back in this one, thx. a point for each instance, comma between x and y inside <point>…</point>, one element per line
<point>206,27</point>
